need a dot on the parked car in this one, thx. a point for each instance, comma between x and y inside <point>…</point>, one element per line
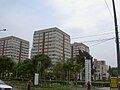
<point>4,86</point>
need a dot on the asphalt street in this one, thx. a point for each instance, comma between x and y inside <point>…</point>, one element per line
<point>104,88</point>
<point>77,88</point>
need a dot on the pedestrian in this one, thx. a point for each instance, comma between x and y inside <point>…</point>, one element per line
<point>29,83</point>
<point>88,85</point>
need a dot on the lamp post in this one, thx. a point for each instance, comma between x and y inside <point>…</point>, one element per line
<point>39,70</point>
<point>37,77</point>
<point>3,29</point>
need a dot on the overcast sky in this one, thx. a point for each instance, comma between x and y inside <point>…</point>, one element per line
<point>78,18</point>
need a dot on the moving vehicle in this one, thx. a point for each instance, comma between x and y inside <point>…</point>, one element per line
<point>4,86</point>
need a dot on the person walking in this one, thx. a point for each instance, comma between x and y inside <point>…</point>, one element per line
<point>88,85</point>
<point>29,83</point>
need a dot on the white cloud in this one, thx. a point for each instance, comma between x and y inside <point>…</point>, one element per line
<point>84,14</point>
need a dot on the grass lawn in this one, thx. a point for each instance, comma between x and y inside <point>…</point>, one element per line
<point>53,88</point>
<point>23,85</point>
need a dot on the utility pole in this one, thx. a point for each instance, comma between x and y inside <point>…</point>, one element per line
<point>117,42</point>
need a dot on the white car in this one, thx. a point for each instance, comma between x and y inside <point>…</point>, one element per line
<point>4,86</point>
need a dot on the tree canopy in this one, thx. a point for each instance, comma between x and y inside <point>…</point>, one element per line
<point>24,69</point>
<point>6,65</point>
<point>41,59</point>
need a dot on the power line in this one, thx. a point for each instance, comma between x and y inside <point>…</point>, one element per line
<point>105,40</point>
<point>101,42</point>
<point>93,35</point>
<point>108,8</point>
<point>98,40</point>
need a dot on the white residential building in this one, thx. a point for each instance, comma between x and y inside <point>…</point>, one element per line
<point>75,47</point>
<point>15,48</point>
<point>53,42</point>
<point>101,70</point>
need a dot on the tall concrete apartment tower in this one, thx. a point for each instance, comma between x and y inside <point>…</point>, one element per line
<point>15,48</point>
<point>53,42</point>
<point>75,47</point>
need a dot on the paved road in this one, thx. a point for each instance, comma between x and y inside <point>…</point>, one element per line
<point>107,88</point>
<point>104,88</point>
<point>78,88</point>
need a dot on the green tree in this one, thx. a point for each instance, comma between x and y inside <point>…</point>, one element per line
<point>67,71</point>
<point>113,71</point>
<point>68,68</point>
<point>6,65</point>
<point>57,71</point>
<point>80,58</point>
<point>41,62</point>
<point>24,69</point>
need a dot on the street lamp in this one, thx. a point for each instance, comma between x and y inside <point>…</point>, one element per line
<point>37,77</point>
<point>3,29</point>
<point>39,70</point>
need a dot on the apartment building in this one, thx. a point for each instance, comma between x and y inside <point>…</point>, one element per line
<point>53,42</point>
<point>101,70</point>
<point>15,48</point>
<point>75,47</point>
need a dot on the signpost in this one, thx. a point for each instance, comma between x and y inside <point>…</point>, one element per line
<point>87,70</point>
<point>36,79</point>
<point>113,82</point>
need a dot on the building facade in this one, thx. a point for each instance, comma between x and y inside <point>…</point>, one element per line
<point>75,47</point>
<point>53,42</point>
<point>15,48</point>
<point>101,70</point>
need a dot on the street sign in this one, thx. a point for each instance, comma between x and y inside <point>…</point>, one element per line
<point>113,82</point>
